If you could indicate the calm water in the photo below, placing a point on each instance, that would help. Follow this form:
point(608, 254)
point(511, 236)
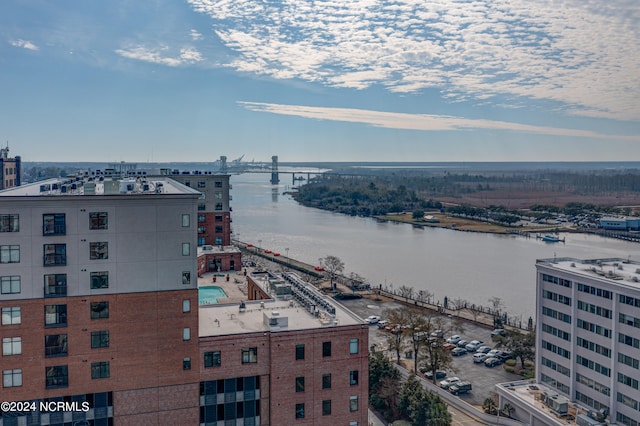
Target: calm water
point(209, 295)
point(456, 264)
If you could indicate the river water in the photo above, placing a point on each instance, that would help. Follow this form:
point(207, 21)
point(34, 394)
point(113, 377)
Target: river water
point(469, 266)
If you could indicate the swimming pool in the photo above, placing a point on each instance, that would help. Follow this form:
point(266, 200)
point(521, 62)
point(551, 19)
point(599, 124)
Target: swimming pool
point(209, 295)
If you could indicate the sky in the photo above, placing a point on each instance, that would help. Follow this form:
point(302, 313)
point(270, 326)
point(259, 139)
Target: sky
point(320, 80)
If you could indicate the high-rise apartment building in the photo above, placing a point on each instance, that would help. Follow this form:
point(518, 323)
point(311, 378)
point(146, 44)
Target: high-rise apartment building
point(588, 334)
point(99, 303)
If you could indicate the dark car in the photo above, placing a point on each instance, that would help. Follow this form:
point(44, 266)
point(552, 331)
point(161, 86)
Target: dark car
point(440, 374)
point(492, 362)
point(458, 351)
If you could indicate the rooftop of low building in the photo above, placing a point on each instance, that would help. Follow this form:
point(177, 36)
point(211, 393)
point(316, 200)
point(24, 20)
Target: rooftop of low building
point(301, 307)
point(617, 270)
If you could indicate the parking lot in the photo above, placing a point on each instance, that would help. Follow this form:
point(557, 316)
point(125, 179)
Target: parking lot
point(482, 378)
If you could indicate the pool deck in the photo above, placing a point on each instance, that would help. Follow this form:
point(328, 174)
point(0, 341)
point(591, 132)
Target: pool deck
point(235, 288)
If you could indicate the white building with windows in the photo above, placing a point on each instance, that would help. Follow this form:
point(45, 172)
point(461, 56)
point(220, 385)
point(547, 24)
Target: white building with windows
point(588, 334)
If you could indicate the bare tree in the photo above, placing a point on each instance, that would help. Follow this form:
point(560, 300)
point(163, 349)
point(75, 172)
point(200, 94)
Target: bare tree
point(406, 291)
point(396, 319)
point(332, 266)
point(424, 296)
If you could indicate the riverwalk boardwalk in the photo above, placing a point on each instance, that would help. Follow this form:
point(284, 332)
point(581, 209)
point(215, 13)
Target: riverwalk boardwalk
point(480, 315)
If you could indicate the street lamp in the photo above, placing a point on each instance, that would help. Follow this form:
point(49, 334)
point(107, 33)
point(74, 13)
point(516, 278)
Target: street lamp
point(287, 251)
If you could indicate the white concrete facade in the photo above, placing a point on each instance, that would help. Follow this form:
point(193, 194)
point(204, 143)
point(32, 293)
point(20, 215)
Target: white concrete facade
point(588, 334)
point(145, 235)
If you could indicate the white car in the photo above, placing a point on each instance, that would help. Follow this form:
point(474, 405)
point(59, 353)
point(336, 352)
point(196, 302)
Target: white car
point(448, 382)
point(494, 353)
point(454, 339)
point(383, 323)
point(372, 319)
point(479, 357)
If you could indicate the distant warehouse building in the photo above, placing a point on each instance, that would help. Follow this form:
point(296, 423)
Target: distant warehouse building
point(622, 224)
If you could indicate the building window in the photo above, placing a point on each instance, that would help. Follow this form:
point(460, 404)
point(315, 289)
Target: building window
point(186, 333)
point(99, 310)
point(219, 229)
point(186, 220)
point(100, 370)
point(202, 184)
point(54, 224)
point(11, 346)
point(186, 277)
point(326, 381)
point(212, 359)
point(353, 346)
point(99, 280)
point(186, 363)
point(10, 284)
point(186, 305)
point(249, 355)
point(202, 229)
point(201, 218)
point(353, 403)
point(99, 250)
point(326, 407)
point(55, 315)
point(326, 348)
point(98, 220)
point(100, 339)
point(55, 285)
point(201, 207)
point(217, 195)
point(9, 223)
point(57, 376)
point(12, 378)
point(9, 254)
point(186, 249)
point(201, 241)
point(55, 254)
point(11, 316)
point(218, 241)
point(300, 411)
point(218, 218)
point(218, 206)
point(218, 184)
point(353, 377)
point(300, 351)
point(55, 345)
point(300, 384)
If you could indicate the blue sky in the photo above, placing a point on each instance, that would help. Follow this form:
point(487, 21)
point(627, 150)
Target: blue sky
point(323, 80)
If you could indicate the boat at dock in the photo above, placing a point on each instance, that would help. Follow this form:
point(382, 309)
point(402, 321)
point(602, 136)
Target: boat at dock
point(551, 239)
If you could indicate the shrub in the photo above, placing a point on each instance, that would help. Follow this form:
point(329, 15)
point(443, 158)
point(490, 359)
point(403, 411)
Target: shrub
point(528, 364)
point(510, 362)
point(509, 369)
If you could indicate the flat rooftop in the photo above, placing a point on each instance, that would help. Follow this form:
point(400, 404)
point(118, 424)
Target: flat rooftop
point(618, 271)
point(532, 395)
point(281, 313)
point(92, 185)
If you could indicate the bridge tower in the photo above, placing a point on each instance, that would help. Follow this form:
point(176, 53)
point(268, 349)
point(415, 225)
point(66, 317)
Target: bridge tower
point(223, 164)
point(275, 179)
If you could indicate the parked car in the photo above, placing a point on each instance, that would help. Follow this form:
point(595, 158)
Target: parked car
point(505, 356)
point(373, 319)
point(448, 346)
point(492, 362)
point(497, 332)
point(483, 349)
point(479, 357)
point(440, 374)
point(437, 333)
point(494, 353)
point(454, 339)
point(448, 382)
point(458, 351)
point(462, 343)
point(460, 387)
point(382, 323)
point(473, 345)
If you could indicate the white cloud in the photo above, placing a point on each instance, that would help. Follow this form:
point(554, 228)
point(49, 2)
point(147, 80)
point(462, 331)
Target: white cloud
point(25, 44)
point(195, 35)
point(584, 54)
point(185, 56)
point(421, 122)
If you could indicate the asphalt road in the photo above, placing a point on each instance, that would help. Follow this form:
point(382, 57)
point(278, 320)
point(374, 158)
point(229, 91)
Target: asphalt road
point(482, 378)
